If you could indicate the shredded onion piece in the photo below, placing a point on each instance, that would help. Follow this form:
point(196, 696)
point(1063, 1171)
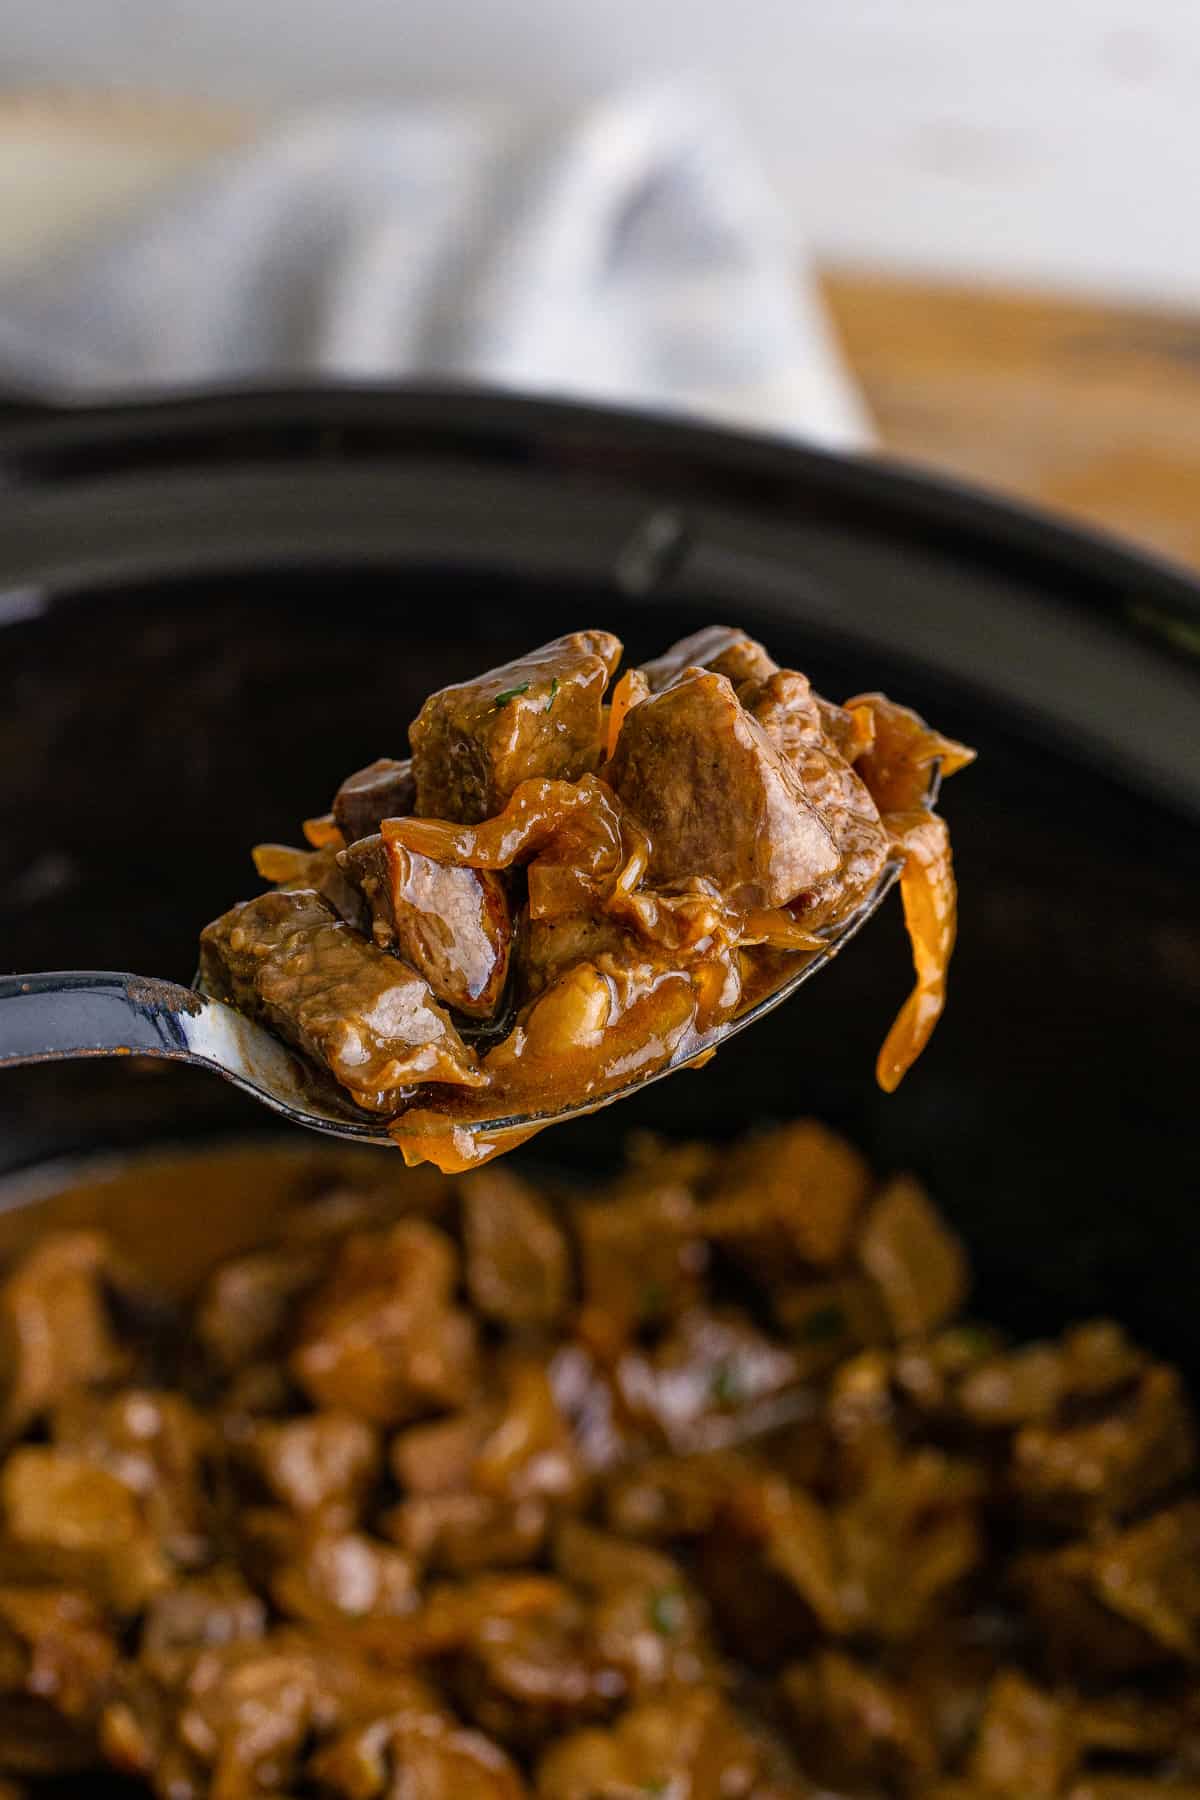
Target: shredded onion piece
point(930, 915)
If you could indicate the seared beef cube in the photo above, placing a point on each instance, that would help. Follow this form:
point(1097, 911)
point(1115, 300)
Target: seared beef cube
point(419, 1753)
point(241, 1722)
point(642, 1257)
point(1027, 1740)
point(716, 796)
point(721, 648)
point(318, 1571)
point(66, 1519)
point(788, 1199)
point(797, 722)
point(1078, 1473)
point(332, 1575)
point(917, 1263)
point(294, 871)
point(244, 1310)
point(193, 1616)
point(768, 1566)
point(452, 925)
point(518, 1260)
point(385, 789)
point(854, 1727)
point(907, 1541)
point(459, 1534)
point(56, 1660)
point(525, 1680)
point(688, 1743)
point(550, 947)
point(56, 1335)
point(663, 1498)
point(381, 1338)
point(1150, 1575)
point(367, 1018)
point(160, 1447)
point(324, 1463)
point(712, 1380)
point(537, 717)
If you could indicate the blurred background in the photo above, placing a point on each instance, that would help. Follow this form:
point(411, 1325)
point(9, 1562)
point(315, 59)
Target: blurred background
point(986, 210)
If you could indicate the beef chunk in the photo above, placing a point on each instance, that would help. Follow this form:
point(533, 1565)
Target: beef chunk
point(713, 1379)
point(1079, 1473)
point(65, 1519)
point(551, 947)
point(663, 1498)
point(798, 724)
point(367, 1018)
point(538, 717)
point(517, 1259)
point(721, 648)
point(460, 1534)
point(416, 1753)
point(241, 1721)
point(691, 1743)
point(439, 1457)
point(1078, 1377)
point(717, 798)
point(452, 925)
point(1150, 1575)
point(56, 1661)
point(641, 1252)
point(295, 871)
point(481, 1487)
point(788, 1199)
point(854, 1727)
point(1079, 1634)
point(380, 1338)
point(244, 1310)
point(319, 1573)
point(160, 1447)
point(525, 1679)
point(648, 1619)
point(769, 1565)
point(907, 1541)
point(917, 1263)
point(194, 1616)
point(56, 1333)
point(385, 789)
point(1027, 1742)
point(324, 1463)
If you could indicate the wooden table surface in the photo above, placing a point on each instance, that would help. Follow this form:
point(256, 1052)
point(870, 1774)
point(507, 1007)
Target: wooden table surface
point(1091, 409)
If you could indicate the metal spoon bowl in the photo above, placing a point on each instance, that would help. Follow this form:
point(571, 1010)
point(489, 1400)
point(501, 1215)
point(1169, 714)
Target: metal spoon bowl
point(59, 1015)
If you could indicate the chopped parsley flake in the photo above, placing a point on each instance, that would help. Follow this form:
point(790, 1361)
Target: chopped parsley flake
point(727, 1385)
point(972, 1340)
point(822, 1324)
point(668, 1611)
point(553, 691)
point(509, 694)
point(653, 1299)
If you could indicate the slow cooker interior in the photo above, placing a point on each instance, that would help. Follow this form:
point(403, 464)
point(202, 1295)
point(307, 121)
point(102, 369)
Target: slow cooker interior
point(152, 734)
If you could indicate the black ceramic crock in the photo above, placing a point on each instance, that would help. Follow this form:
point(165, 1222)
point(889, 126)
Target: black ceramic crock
point(211, 608)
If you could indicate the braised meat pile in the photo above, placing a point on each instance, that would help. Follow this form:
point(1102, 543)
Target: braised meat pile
point(698, 1485)
point(561, 892)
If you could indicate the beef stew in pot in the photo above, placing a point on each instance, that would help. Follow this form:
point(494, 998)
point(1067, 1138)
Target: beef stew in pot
point(700, 1483)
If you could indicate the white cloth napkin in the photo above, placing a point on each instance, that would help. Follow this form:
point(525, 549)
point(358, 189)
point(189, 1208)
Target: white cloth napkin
point(628, 253)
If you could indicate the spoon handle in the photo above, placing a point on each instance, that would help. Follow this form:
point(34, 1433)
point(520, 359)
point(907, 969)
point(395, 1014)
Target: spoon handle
point(92, 1012)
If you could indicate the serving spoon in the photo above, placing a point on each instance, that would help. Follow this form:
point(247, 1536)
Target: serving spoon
point(60, 1015)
